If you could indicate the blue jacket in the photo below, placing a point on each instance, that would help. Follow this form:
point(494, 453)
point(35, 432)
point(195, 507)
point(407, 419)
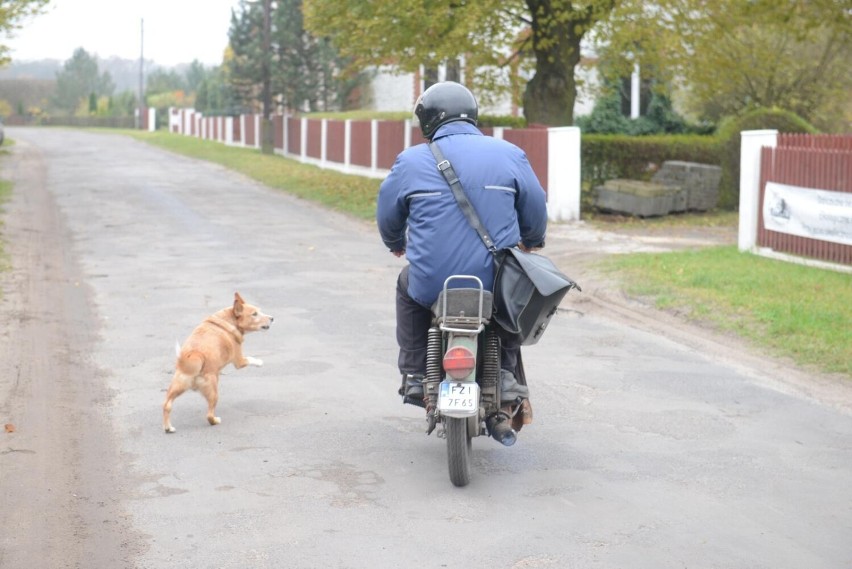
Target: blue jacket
point(417, 211)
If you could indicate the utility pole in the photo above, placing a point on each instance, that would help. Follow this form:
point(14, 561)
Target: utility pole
point(266, 120)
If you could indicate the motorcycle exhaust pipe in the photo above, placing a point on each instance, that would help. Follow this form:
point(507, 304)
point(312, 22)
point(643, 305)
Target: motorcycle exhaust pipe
point(501, 429)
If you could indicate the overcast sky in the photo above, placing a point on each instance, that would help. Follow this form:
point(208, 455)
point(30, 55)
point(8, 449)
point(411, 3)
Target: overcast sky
point(175, 31)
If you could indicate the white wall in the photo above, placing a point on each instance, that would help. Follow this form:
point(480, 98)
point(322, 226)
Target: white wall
point(752, 141)
point(392, 92)
point(588, 82)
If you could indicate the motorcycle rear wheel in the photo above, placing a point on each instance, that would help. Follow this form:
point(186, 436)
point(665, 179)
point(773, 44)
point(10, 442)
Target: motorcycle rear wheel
point(458, 450)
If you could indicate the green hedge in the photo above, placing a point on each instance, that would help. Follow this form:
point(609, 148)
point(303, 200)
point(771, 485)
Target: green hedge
point(637, 157)
point(608, 156)
point(501, 120)
point(729, 138)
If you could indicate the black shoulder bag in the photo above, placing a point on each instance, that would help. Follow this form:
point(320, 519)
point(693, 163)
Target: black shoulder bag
point(527, 287)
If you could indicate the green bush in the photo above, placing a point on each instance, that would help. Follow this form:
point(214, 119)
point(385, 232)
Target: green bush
point(606, 117)
point(729, 138)
point(501, 120)
point(660, 118)
point(483, 121)
point(608, 156)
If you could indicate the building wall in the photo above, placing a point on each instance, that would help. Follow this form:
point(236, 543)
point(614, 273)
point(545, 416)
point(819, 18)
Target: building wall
point(588, 82)
point(394, 92)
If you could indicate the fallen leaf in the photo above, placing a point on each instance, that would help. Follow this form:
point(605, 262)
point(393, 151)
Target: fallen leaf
point(10, 428)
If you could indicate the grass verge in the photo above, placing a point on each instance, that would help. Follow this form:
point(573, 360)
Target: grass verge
point(800, 312)
point(794, 311)
point(5, 193)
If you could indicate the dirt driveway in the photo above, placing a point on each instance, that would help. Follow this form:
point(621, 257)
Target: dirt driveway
point(659, 443)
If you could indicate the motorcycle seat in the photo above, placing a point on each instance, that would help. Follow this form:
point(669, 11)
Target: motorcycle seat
point(464, 303)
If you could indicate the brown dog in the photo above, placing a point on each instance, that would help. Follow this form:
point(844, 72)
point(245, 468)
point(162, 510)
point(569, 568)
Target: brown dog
point(215, 343)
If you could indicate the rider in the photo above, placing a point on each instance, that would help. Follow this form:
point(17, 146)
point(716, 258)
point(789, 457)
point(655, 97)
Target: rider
point(419, 217)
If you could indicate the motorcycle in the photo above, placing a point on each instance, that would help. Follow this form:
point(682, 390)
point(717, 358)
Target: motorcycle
point(462, 383)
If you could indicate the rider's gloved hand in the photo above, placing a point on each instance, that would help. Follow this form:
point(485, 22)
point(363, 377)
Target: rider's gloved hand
point(526, 249)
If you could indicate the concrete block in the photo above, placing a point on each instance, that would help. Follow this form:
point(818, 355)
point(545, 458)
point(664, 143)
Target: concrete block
point(642, 199)
point(699, 181)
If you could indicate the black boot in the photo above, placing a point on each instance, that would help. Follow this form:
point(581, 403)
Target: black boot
point(412, 389)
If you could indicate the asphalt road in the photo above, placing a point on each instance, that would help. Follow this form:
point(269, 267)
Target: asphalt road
point(647, 450)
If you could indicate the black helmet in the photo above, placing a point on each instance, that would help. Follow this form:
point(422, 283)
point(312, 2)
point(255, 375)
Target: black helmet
point(442, 103)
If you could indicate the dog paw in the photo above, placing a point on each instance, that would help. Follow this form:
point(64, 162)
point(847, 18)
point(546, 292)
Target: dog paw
point(170, 430)
point(214, 420)
point(254, 361)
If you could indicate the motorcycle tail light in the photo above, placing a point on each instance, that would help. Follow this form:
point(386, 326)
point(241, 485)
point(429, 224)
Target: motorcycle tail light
point(459, 362)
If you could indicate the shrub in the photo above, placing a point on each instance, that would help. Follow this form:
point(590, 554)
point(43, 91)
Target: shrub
point(729, 138)
point(486, 121)
point(608, 156)
point(606, 117)
point(660, 118)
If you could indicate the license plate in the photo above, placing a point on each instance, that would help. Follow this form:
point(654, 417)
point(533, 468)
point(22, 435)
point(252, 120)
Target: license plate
point(458, 397)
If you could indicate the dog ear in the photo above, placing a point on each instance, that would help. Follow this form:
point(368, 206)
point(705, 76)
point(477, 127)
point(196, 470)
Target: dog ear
point(238, 304)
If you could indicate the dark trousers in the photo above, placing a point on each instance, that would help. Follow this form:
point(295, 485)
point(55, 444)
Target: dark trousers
point(412, 331)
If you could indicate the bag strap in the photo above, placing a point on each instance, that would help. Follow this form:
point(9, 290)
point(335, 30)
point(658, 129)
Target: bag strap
point(467, 208)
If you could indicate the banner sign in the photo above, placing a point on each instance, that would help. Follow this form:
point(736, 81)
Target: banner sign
point(807, 212)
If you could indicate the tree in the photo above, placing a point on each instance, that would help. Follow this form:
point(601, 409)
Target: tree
point(164, 81)
point(307, 68)
point(123, 104)
point(608, 117)
point(732, 56)
point(78, 80)
point(304, 70)
point(245, 57)
point(195, 75)
point(558, 28)
point(408, 33)
point(301, 60)
point(491, 35)
point(214, 94)
point(12, 15)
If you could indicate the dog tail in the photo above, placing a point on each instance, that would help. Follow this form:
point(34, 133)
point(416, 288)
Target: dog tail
point(190, 363)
